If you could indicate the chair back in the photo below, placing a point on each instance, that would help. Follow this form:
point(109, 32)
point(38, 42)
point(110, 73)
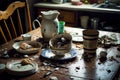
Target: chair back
point(14, 21)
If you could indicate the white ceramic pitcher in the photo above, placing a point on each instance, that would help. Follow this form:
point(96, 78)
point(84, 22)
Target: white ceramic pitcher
point(49, 23)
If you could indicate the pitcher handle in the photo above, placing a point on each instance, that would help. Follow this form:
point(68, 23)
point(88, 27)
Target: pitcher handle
point(37, 21)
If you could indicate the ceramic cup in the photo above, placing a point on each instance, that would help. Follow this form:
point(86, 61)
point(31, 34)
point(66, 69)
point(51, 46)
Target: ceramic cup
point(26, 37)
point(90, 38)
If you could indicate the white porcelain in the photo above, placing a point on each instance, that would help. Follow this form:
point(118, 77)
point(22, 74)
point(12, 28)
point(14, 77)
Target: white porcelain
point(49, 24)
point(26, 37)
point(23, 70)
point(47, 53)
point(36, 45)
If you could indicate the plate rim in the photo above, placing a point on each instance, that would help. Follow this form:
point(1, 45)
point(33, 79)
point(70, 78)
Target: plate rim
point(20, 73)
point(43, 55)
point(28, 52)
point(73, 38)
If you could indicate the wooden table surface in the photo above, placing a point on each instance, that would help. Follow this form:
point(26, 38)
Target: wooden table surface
point(73, 69)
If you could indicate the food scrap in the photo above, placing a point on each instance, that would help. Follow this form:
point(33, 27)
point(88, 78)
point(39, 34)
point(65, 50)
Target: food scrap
point(26, 61)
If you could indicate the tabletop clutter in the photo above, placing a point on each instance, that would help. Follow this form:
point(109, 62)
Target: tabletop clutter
point(59, 45)
point(52, 32)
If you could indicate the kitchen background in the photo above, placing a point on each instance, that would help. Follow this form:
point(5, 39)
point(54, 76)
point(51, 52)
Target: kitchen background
point(107, 21)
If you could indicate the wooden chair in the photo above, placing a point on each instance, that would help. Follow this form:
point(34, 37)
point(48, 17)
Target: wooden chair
point(14, 21)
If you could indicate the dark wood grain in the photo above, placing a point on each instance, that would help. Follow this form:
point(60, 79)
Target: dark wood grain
point(74, 69)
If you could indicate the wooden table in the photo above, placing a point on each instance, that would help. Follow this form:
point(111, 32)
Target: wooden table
point(74, 69)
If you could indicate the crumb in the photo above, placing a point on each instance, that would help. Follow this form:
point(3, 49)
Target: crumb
point(26, 61)
point(25, 46)
point(79, 46)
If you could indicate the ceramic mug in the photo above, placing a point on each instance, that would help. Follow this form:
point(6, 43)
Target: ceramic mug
point(26, 37)
point(90, 38)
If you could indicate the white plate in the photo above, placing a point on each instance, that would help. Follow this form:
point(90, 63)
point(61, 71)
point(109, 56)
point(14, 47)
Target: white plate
point(16, 46)
point(16, 68)
point(77, 38)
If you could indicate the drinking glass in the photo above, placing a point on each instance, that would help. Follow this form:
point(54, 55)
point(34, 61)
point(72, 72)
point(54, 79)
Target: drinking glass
point(61, 27)
point(84, 21)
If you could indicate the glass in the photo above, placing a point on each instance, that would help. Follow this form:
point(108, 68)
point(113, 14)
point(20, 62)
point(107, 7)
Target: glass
point(61, 27)
point(84, 21)
point(94, 22)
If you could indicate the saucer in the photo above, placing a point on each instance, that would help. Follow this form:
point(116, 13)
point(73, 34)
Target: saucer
point(47, 53)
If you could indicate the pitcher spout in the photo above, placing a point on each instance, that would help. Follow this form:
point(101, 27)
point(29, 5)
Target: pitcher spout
point(51, 15)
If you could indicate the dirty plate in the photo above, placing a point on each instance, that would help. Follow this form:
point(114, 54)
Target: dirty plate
point(36, 46)
point(77, 37)
point(47, 53)
point(16, 68)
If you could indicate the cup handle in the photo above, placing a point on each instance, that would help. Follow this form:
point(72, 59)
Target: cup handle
point(36, 21)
